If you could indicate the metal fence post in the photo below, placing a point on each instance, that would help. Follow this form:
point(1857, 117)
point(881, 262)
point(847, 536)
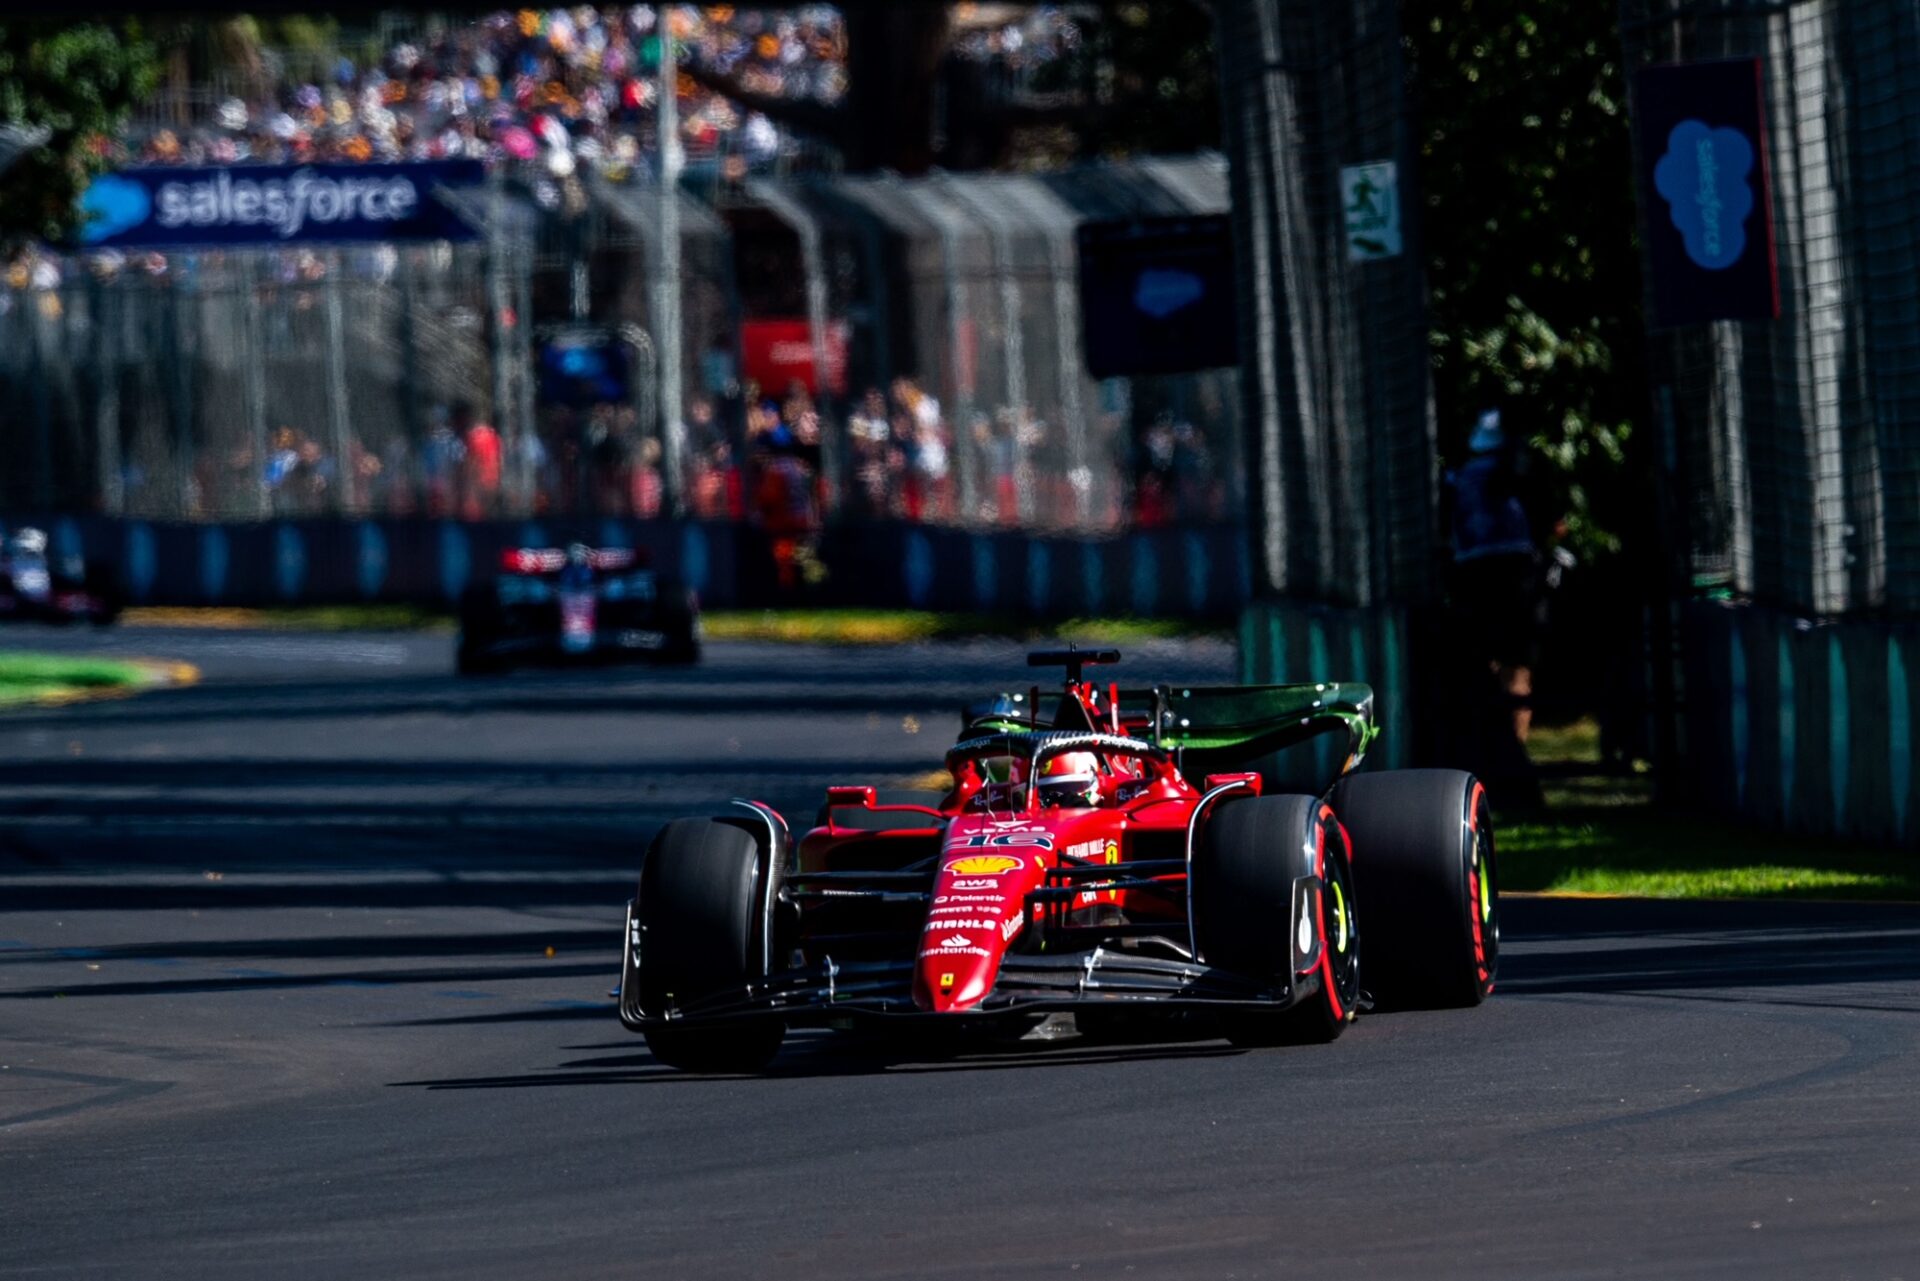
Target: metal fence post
point(338, 429)
point(509, 423)
point(667, 311)
point(255, 366)
point(106, 377)
point(813, 265)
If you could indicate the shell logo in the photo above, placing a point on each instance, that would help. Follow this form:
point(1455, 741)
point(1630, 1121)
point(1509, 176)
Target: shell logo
point(984, 865)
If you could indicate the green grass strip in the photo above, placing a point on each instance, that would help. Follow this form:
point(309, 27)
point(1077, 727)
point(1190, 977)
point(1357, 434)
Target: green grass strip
point(295, 618)
point(798, 626)
point(38, 678)
point(905, 626)
point(1601, 834)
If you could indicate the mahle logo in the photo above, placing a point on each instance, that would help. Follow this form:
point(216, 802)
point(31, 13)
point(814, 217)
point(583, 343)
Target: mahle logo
point(1703, 178)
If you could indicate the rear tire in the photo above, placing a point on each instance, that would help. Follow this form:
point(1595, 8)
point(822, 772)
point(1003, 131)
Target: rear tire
point(469, 660)
point(1423, 864)
point(1249, 855)
point(702, 905)
point(682, 627)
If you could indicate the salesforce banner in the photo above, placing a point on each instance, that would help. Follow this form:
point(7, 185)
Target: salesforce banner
point(274, 205)
point(1704, 192)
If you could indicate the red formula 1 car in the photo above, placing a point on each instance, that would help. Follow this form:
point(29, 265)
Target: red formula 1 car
point(1122, 856)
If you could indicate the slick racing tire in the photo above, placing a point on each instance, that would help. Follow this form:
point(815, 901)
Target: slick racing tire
point(1423, 863)
point(479, 628)
point(681, 626)
point(702, 908)
point(472, 659)
point(1244, 866)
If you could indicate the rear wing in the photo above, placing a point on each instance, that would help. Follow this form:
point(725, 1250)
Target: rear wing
point(1219, 729)
point(551, 560)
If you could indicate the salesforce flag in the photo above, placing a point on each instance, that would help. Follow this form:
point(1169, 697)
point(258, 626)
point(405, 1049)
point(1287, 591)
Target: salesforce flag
point(1707, 212)
point(275, 204)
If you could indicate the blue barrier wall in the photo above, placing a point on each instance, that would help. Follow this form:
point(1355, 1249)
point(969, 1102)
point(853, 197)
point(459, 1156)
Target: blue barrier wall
point(1802, 725)
point(1182, 573)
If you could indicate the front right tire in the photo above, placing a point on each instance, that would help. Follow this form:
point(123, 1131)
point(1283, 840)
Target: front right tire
point(701, 906)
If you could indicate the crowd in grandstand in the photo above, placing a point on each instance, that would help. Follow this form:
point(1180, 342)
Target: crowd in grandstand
point(573, 87)
point(567, 86)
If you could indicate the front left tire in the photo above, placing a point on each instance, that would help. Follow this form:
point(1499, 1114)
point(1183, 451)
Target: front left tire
point(1424, 858)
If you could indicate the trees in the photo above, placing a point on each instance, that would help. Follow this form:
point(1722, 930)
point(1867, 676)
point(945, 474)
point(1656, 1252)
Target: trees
point(78, 81)
point(1527, 176)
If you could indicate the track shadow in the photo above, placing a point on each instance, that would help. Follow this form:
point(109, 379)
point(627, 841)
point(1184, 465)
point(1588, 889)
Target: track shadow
point(334, 947)
point(826, 1056)
point(264, 982)
point(1725, 948)
point(412, 696)
point(373, 772)
point(344, 892)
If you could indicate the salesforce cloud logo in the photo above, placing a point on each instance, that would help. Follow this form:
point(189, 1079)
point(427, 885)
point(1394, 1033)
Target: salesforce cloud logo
point(113, 205)
point(1703, 177)
point(1160, 292)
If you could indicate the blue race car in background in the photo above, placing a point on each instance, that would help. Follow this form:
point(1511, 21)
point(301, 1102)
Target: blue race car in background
point(38, 588)
point(577, 604)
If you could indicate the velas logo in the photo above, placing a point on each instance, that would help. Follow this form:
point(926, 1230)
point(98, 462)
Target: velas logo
point(1703, 178)
point(112, 205)
point(983, 865)
point(1161, 291)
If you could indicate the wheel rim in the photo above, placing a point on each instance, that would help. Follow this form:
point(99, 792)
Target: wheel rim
point(1483, 891)
point(1342, 930)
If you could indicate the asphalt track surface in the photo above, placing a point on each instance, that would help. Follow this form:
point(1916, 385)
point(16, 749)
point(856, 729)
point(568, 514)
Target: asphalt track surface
point(304, 972)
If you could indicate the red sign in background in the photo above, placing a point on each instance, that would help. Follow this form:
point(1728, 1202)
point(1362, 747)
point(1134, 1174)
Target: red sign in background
point(775, 352)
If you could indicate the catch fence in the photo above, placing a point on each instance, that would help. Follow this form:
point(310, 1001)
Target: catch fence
point(967, 288)
point(1334, 342)
point(1796, 441)
point(933, 325)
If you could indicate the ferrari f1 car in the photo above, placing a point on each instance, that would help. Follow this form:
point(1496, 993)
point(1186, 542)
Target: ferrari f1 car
point(1119, 855)
point(36, 587)
point(575, 604)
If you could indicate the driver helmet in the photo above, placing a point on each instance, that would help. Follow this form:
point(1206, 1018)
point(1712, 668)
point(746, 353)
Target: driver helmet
point(578, 554)
point(29, 542)
point(1071, 779)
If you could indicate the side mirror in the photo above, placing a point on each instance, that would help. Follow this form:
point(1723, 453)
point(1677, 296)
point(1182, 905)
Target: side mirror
point(860, 796)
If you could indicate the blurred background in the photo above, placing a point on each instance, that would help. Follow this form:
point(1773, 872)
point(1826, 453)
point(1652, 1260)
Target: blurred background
point(1244, 312)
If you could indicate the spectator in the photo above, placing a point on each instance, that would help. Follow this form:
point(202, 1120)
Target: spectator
point(480, 464)
point(648, 489)
point(1496, 583)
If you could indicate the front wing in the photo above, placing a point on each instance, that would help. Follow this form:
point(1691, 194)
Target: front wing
point(826, 992)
